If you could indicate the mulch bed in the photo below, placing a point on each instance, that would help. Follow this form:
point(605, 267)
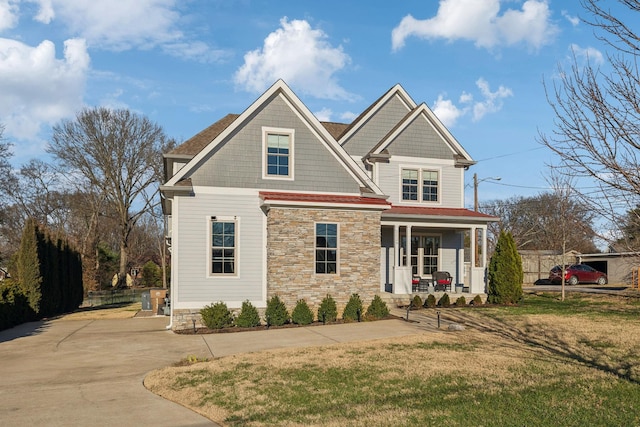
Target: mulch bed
point(233, 329)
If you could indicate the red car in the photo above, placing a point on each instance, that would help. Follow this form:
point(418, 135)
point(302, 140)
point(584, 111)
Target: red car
point(577, 273)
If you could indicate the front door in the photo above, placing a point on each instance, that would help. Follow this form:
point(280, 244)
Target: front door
point(424, 253)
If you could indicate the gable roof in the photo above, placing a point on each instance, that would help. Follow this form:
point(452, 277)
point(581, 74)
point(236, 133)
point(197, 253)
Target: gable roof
point(216, 134)
point(461, 156)
point(396, 90)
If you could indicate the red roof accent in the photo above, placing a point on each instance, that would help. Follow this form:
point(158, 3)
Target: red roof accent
point(450, 212)
point(321, 198)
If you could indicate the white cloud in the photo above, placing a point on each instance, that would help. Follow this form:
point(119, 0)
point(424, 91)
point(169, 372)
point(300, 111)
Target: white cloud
point(587, 54)
point(324, 115)
point(447, 111)
point(492, 100)
point(480, 21)
point(348, 116)
point(299, 55)
point(574, 20)
point(8, 14)
point(37, 88)
point(139, 24)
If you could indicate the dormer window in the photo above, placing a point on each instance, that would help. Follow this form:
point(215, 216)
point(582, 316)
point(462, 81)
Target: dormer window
point(277, 153)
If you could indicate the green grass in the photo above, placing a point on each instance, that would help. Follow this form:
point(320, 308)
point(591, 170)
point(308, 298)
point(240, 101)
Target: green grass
point(558, 377)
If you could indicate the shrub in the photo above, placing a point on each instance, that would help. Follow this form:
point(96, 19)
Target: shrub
point(276, 313)
point(248, 317)
point(430, 302)
point(151, 274)
point(378, 309)
point(353, 310)
point(461, 301)
point(14, 305)
point(327, 312)
point(416, 302)
point(505, 273)
point(444, 301)
point(302, 314)
point(477, 300)
point(216, 316)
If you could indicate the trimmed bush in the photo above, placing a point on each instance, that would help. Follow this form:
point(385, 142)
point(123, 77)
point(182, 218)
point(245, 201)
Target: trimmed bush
point(505, 272)
point(430, 302)
point(416, 302)
point(327, 312)
point(378, 309)
point(216, 316)
point(477, 300)
point(14, 305)
point(276, 313)
point(248, 317)
point(302, 314)
point(444, 301)
point(461, 301)
point(353, 310)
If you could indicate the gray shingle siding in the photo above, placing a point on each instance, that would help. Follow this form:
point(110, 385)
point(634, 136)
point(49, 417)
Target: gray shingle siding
point(238, 161)
point(419, 139)
point(376, 127)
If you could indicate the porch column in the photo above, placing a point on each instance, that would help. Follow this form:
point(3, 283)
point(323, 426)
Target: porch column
point(408, 253)
point(474, 255)
point(396, 246)
point(484, 247)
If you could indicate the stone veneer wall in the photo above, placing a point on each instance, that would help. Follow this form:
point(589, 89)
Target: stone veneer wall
point(291, 256)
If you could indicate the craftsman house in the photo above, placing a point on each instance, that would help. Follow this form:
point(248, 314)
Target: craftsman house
point(273, 201)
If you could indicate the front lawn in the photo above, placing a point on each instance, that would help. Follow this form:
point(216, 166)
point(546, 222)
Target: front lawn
point(543, 363)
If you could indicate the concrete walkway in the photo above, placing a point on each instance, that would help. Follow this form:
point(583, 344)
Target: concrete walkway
point(90, 372)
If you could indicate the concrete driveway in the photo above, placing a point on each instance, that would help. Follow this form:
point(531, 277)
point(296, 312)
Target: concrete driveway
point(90, 372)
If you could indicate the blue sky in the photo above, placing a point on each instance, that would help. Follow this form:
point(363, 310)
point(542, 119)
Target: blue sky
point(479, 64)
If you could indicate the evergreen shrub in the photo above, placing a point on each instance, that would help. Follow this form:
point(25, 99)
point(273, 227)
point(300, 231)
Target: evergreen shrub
point(416, 302)
point(248, 317)
point(216, 316)
point(378, 309)
point(477, 300)
point(505, 273)
point(430, 302)
point(353, 310)
point(276, 313)
point(461, 301)
point(445, 301)
point(328, 311)
point(302, 314)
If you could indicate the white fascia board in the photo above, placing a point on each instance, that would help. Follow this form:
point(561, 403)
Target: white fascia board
point(232, 127)
point(398, 91)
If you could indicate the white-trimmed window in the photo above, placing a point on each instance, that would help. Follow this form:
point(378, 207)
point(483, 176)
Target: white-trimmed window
point(327, 248)
point(420, 185)
point(224, 247)
point(277, 153)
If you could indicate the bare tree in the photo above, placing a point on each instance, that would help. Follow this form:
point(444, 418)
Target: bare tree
point(597, 113)
point(539, 222)
point(119, 154)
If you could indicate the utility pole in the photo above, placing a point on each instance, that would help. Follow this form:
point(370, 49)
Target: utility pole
point(475, 192)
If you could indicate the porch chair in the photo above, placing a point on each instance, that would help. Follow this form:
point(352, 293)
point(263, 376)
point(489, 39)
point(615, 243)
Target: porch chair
point(442, 280)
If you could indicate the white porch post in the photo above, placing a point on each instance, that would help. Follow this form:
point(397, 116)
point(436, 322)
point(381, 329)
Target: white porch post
point(408, 253)
point(396, 246)
point(484, 248)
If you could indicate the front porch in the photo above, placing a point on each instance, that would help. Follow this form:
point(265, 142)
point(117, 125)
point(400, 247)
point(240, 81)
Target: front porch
point(418, 242)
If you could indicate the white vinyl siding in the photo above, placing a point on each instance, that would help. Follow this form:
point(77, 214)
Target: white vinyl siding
point(192, 246)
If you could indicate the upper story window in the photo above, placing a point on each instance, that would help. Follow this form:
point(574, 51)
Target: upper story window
point(409, 184)
point(277, 153)
point(425, 180)
point(223, 247)
point(326, 248)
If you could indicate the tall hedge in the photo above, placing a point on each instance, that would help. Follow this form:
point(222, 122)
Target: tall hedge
point(505, 273)
point(49, 272)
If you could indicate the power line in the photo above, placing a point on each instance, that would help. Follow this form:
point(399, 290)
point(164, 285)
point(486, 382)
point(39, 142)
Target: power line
point(509, 154)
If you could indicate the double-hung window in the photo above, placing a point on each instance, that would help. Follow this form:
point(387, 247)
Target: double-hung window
point(326, 248)
point(419, 185)
point(278, 153)
point(224, 246)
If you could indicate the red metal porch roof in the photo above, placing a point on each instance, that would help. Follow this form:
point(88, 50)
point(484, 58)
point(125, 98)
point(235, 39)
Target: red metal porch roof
point(321, 198)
